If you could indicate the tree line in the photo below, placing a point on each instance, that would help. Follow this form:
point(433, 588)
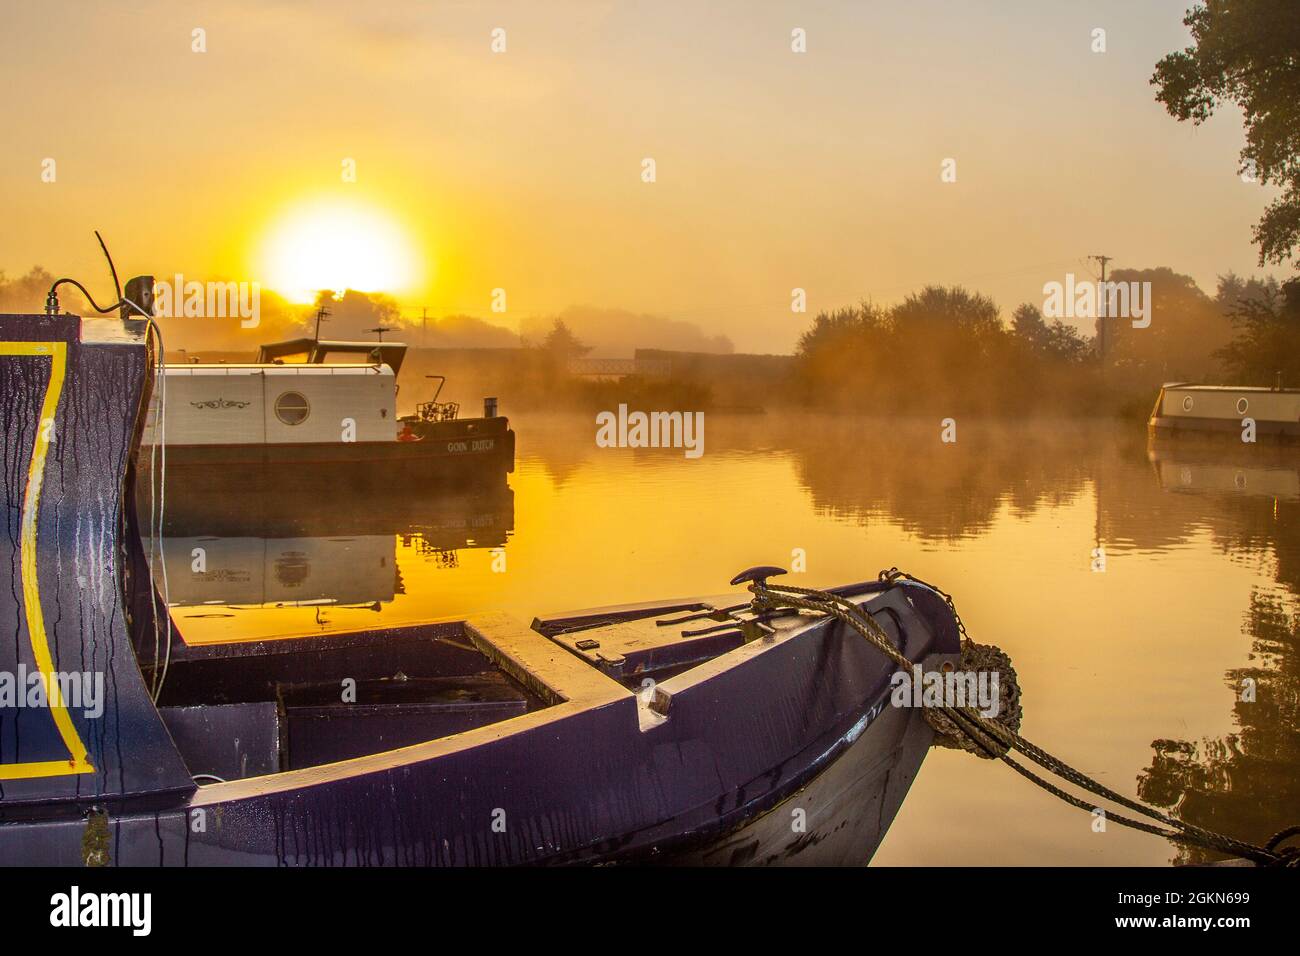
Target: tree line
point(946, 348)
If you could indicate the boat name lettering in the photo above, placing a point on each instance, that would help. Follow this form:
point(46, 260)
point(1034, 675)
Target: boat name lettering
point(478, 444)
point(221, 403)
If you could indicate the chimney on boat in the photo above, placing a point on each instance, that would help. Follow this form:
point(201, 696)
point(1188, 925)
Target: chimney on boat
point(137, 302)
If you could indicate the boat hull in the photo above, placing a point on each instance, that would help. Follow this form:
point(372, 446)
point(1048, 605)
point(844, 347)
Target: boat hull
point(1187, 428)
point(750, 738)
point(840, 817)
point(469, 451)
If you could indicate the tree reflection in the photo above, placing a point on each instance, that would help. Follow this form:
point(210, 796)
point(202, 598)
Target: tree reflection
point(1246, 784)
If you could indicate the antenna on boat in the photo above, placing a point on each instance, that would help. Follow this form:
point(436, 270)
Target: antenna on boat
point(117, 286)
point(137, 300)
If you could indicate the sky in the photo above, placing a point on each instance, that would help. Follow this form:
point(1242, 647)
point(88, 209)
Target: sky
point(522, 170)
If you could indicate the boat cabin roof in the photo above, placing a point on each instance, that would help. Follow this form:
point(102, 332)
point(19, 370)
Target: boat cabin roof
point(1234, 389)
point(291, 368)
point(317, 351)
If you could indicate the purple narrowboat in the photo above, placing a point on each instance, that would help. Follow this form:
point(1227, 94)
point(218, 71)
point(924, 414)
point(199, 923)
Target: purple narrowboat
point(702, 731)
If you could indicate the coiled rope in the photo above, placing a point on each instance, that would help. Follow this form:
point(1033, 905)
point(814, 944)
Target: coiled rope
point(997, 740)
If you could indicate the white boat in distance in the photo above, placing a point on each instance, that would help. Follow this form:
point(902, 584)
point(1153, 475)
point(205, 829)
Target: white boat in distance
point(309, 407)
point(1184, 409)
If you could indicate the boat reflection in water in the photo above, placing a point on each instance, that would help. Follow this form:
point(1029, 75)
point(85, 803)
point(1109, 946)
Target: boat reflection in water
point(281, 564)
point(205, 570)
point(1256, 472)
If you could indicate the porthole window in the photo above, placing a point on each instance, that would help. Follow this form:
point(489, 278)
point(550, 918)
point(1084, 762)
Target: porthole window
point(292, 408)
point(1187, 403)
point(1242, 406)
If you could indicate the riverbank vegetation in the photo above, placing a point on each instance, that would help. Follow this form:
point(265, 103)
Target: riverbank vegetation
point(946, 349)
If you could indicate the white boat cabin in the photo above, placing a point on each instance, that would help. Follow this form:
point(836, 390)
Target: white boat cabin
point(291, 395)
point(1224, 402)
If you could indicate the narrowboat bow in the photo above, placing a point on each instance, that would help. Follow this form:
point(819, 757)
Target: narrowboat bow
point(692, 731)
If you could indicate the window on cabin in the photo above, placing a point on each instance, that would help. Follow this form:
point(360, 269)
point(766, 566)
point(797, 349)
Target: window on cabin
point(292, 408)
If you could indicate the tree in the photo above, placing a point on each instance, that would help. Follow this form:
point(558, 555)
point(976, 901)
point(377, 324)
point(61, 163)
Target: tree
point(845, 357)
point(1247, 52)
point(949, 311)
point(1233, 290)
point(562, 343)
point(354, 313)
point(1267, 320)
point(1186, 326)
point(1056, 341)
point(843, 328)
point(27, 294)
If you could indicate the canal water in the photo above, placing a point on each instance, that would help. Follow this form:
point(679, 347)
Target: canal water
point(1148, 598)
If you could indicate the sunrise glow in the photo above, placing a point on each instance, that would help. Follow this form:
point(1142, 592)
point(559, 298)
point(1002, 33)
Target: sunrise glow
point(336, 246)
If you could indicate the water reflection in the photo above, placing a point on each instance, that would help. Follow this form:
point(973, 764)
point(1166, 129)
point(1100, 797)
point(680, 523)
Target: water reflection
point(203, 570)
point(1133, 674)
point(1264, 473)
point(280, 564)
point(1248, 781)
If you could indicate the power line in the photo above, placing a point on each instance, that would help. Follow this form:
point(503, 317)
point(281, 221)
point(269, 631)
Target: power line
point(1101, 321)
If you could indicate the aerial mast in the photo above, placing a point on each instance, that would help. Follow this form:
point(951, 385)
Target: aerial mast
point(1101, 320)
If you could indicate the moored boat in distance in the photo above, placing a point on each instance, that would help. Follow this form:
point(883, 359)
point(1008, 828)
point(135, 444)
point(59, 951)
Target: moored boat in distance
point(310, 409)
point(1185, 410)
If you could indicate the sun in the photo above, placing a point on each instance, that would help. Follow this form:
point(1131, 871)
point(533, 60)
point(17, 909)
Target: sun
point(337, 245)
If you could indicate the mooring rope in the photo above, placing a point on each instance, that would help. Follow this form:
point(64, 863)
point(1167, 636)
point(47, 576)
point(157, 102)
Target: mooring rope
point(158, 448)
point(997, 740)
point(162, 638)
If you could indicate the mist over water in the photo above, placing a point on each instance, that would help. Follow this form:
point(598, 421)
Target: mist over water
point(1200, 589)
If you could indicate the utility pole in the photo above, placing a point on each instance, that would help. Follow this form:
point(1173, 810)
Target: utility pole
point(424, 328)
point(321, 313)
point(1101, 320)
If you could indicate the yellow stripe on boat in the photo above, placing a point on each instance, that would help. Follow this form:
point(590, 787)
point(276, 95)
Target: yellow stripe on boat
point(78, 761)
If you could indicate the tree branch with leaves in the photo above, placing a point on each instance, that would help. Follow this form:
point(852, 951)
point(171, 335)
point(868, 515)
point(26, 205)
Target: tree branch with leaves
point(1247, 52)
